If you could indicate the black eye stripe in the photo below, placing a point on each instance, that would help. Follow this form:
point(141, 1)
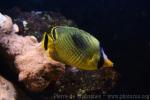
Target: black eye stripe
point(101, 60)
point(46, 41)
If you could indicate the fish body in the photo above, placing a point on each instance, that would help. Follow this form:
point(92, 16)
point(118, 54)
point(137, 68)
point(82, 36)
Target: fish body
point(73, 46)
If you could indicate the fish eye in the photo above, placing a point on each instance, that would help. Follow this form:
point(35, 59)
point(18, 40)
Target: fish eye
point(46, 41)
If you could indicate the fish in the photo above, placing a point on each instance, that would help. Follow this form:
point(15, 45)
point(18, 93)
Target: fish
point(75, 47)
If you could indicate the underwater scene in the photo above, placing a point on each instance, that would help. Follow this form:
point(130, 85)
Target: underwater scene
point(74, 50)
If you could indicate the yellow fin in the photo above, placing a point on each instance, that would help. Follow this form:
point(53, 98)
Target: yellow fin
point(108, 63)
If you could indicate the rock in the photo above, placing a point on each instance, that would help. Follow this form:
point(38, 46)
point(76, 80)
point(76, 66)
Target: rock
point(82, 82)
point(37, 22)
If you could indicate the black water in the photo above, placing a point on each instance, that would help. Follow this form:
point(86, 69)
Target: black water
point(123, 26)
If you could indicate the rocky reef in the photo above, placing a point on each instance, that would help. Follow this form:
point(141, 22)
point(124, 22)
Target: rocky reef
point(36, 75)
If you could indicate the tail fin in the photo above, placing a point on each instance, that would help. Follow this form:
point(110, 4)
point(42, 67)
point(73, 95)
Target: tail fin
point(107, 62)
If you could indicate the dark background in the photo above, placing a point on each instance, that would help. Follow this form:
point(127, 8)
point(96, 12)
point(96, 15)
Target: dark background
point(123, 27)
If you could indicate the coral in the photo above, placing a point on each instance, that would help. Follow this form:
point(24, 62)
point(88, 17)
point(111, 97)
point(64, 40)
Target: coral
point(7, 90)
point(34, 68)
